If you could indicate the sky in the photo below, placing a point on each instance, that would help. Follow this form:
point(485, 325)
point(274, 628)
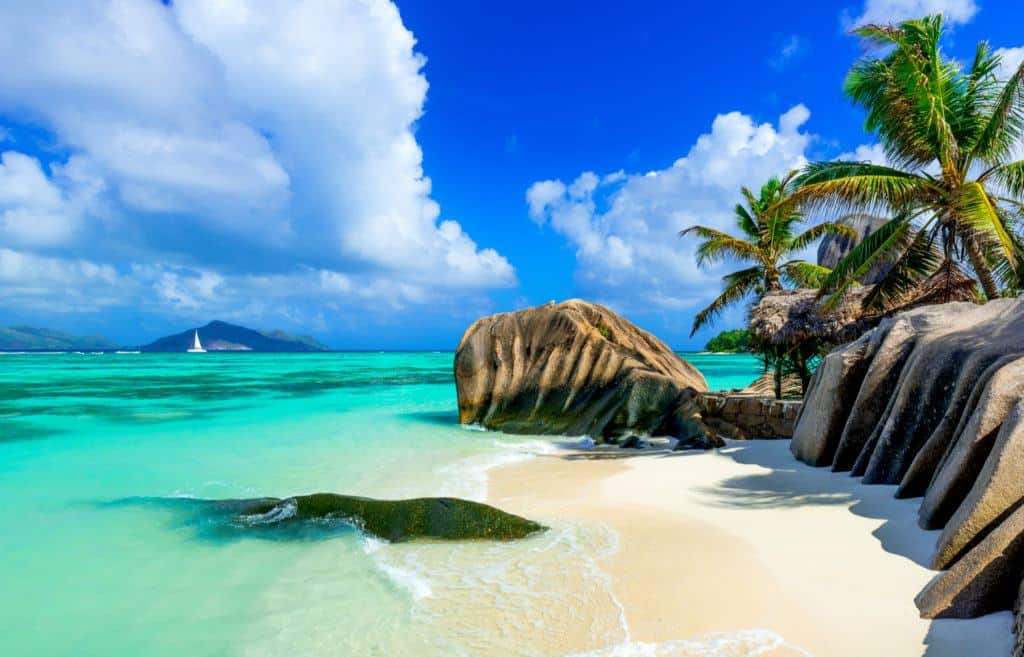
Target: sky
point(380, 174)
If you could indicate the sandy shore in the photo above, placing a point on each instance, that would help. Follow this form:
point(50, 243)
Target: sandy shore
point(746, 538)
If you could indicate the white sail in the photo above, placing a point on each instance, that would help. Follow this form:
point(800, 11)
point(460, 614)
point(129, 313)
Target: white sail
point(197, 346)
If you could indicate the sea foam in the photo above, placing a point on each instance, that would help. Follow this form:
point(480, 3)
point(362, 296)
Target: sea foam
point(742, 643)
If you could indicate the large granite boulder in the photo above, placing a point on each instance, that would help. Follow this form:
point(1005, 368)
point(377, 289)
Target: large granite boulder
point(933, 400)
point(834, 248)
point(575, 368)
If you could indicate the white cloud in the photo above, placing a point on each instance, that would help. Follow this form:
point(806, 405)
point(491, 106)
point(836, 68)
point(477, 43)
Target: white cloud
point(873, 153)
point(893, 11)
point(201, 132)
point(33, 210)
point(35, 283)
point(624, 226)
point(1011, 61)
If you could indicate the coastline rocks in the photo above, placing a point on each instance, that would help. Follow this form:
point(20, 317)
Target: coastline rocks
point(933, 400)
point(437, 518)
point(575, 368)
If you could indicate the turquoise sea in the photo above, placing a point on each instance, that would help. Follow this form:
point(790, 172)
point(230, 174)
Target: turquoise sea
point(103, 554)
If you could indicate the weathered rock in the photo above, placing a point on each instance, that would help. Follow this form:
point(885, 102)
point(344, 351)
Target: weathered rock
point(827, 405)
point(887, 348)
point(984, 580)
point(998, 490)
point(975, 435)
point(933, 400)
point(833, 248)
point(573, 368)
point(897, 382)
point(1018, 623)
point(975, 378)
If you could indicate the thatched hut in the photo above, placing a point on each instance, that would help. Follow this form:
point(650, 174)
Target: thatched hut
point(792, 322)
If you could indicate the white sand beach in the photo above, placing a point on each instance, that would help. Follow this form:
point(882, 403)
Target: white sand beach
point(747, 538)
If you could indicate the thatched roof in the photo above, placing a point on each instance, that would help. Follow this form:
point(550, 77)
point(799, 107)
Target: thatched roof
point(789, 317)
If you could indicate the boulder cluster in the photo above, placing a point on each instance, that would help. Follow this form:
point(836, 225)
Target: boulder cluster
point(932, 400)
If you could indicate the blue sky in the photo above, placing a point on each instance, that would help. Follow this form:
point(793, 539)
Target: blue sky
point(381, 175)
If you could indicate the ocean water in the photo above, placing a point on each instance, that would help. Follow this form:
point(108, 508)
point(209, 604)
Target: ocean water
point(103, 551)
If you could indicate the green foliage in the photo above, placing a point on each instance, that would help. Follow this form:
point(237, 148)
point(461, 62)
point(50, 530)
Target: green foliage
point(735, 341)
point(605, 332)
point(768, 224)
point(949, 135)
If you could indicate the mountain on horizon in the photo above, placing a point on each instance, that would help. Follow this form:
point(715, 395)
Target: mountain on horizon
point(221, 336)
point(32, 338)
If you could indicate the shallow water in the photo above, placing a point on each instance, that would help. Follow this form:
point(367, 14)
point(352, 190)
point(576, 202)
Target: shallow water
point(85, 572)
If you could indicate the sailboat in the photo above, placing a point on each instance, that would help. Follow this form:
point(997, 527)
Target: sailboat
point(197, 346)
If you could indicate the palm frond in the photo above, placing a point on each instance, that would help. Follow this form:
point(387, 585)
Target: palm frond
point(738, 285)
point(887, 241)
point(1005, 121)
point(981, 216)
point(814, 233)
point(919, 261)
point(1009, 176)
point(718, 246)
point(836, 186)
point(801, 273)
point(745, 221)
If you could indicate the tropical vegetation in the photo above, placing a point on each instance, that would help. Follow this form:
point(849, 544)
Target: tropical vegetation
point(954, 181)
point(736, 341)
point(768, 227)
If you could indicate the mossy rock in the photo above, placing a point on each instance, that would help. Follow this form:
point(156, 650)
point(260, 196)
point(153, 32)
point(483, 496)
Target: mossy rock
point(444, 518)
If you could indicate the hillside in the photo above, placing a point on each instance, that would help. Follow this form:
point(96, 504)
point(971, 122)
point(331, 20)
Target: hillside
point(29, 338)
point(221, 336)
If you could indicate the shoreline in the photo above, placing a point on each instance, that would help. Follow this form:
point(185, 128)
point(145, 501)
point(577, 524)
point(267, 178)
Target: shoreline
point(743, 540)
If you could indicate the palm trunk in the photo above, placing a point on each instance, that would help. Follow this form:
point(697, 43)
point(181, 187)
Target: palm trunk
point(981, 268)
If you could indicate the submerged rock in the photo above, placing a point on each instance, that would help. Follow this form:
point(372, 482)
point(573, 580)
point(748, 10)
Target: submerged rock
point(439, 518)
point(448, 518)
point(575, 368)
point(933, 400)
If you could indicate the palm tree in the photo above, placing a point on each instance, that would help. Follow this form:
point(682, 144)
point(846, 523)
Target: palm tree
point(952, 187)
point(768, 224)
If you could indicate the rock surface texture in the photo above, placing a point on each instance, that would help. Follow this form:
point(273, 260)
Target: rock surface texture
point(576, 368)
point(933, 400)
point(833, 248)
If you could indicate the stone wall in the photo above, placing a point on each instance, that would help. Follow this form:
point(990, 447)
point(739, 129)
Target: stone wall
point(743, 417)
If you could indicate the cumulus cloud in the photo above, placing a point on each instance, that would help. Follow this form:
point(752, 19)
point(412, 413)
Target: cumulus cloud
point(890, 11)
point(624, 225)
point(247, 137)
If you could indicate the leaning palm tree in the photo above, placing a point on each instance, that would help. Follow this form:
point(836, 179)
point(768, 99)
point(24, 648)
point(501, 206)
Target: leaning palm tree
point(952, 186)
point(768, 226)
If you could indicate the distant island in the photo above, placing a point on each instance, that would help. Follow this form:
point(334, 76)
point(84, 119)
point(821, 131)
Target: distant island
point(221, 336)
point(736, 341)
point(31, 338)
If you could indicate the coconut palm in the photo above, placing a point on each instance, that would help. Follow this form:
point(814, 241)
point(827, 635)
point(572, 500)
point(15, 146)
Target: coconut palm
point(952, 185)
point(768, 226)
